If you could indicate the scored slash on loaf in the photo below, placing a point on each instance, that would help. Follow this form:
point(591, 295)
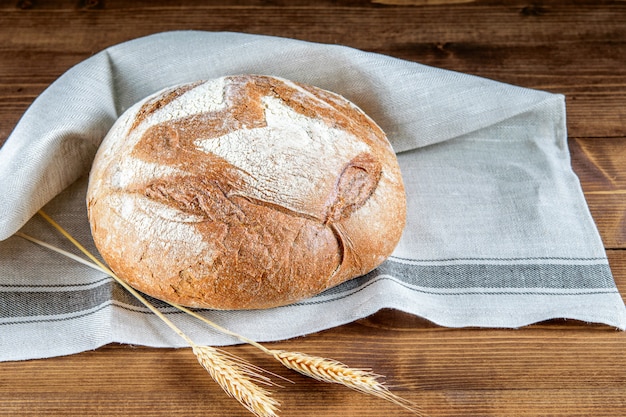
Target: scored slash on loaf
point(244, 192)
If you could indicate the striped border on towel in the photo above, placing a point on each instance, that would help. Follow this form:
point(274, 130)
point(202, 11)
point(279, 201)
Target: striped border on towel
point(556, 276)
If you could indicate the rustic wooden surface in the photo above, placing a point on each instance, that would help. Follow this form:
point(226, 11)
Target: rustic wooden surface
point(557, 368)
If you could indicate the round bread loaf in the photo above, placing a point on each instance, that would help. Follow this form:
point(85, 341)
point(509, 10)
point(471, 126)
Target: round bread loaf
point(244, 192)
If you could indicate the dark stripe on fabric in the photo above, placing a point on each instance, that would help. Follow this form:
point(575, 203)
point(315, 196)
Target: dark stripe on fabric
point(487, 260)
point(336, 296)
point(458, 276)
point(54, 303)
point(467, 279)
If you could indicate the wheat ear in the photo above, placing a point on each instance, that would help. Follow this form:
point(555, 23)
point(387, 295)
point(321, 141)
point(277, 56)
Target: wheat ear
point(235, 377)
point(321, 369)
point(238, 380)
point(332, 371)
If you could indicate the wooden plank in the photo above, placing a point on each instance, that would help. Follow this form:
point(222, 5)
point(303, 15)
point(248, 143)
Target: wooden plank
point(617, 261)
point(599, 163)
point(537, 49)
point(449, 31)
point(87, 5)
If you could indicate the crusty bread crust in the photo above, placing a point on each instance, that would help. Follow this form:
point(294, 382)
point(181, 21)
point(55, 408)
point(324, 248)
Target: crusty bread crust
point(244, 192)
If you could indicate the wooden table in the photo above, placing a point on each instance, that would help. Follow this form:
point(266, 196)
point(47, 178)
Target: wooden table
point(556, 368)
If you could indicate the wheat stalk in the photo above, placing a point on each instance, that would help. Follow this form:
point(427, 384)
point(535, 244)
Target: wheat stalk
point(234, 376)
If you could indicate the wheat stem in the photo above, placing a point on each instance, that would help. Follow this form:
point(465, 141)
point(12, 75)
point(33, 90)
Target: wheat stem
point(108, 271)
point(220, 328)
point(61, 251)
point(236, 378)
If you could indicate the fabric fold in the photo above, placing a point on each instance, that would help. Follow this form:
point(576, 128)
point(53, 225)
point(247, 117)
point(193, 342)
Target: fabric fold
point(74, 113)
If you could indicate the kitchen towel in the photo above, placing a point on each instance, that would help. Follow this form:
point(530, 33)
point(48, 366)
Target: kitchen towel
point(498, 231)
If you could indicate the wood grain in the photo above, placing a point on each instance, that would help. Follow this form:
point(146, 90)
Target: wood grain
point(555, 47)
point(557, 368)
point(599, 163)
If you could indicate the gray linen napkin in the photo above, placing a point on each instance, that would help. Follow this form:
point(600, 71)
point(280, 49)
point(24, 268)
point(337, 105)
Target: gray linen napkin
point(498, 232)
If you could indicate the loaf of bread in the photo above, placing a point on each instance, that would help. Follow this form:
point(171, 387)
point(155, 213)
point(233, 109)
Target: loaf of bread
point(244, 192)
